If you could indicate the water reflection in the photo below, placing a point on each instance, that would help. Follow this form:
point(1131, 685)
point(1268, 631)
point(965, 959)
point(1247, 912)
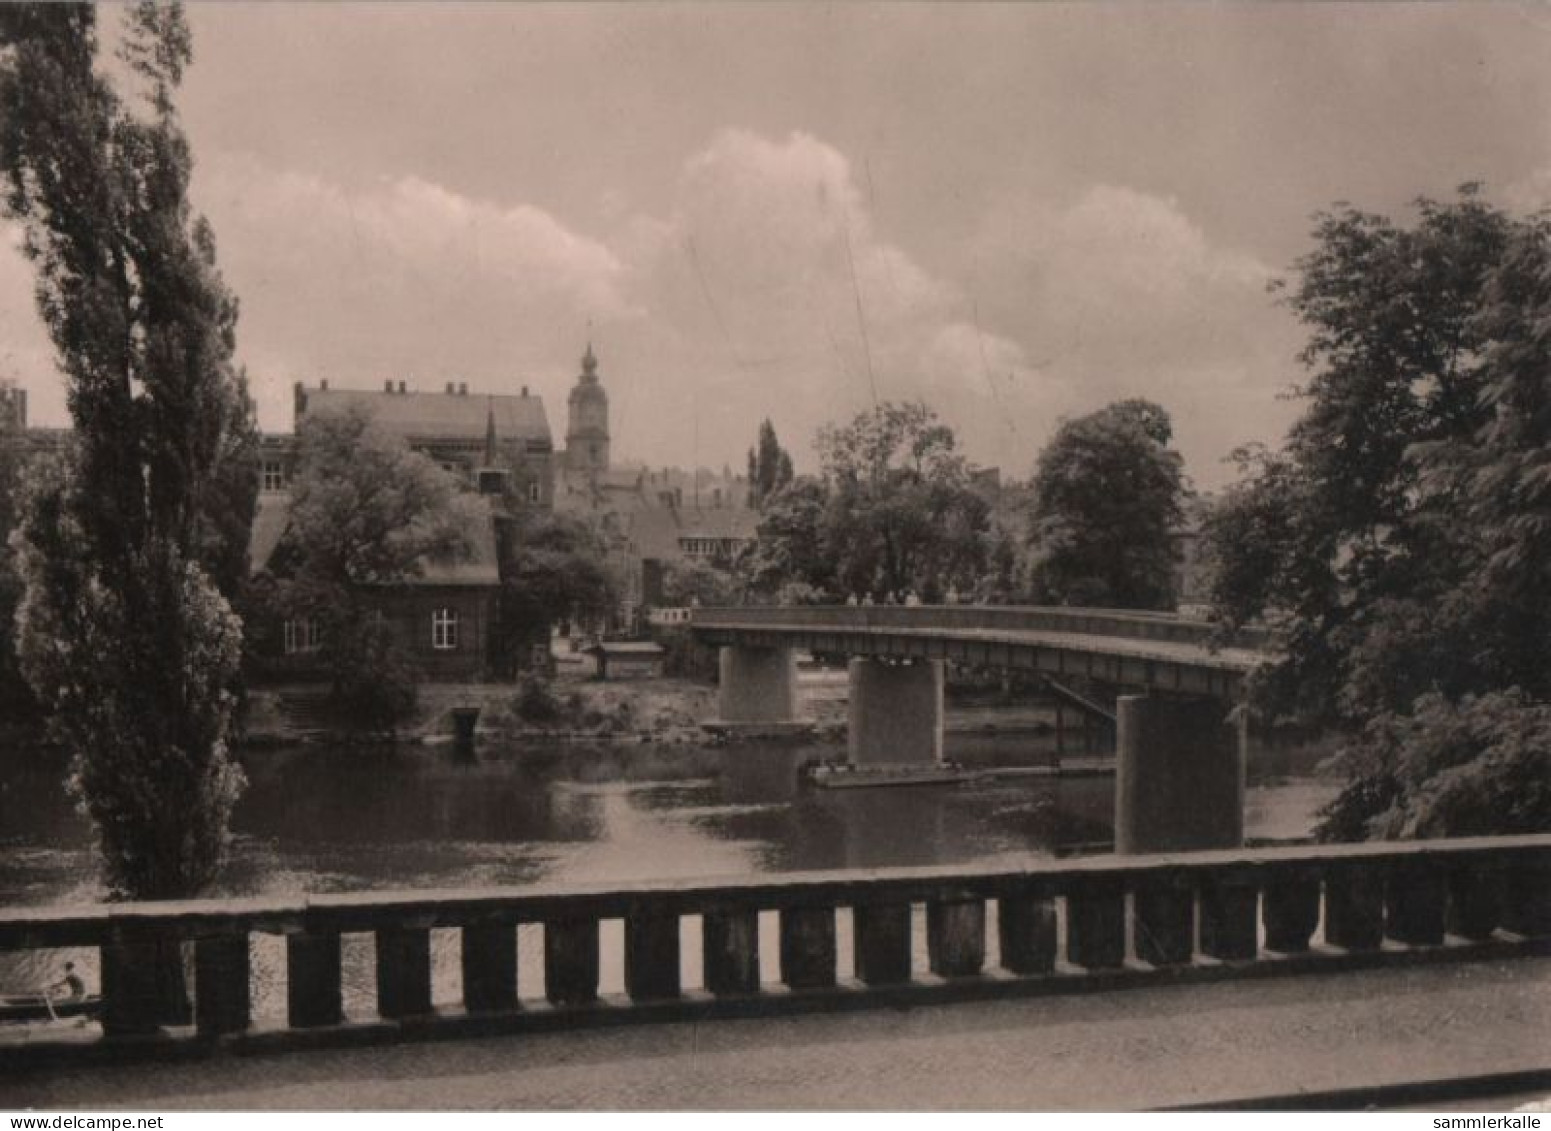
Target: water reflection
point(320, 819)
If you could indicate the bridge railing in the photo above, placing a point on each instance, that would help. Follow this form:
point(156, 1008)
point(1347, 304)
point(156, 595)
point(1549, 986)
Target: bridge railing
point(1127, 624)
point(1052, 925)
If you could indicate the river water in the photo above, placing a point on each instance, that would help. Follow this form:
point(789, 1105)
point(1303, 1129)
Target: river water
point(319, 819)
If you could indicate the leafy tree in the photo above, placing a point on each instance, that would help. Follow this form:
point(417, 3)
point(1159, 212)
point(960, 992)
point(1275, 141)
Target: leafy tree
point(553, 568)
point(1107, 496)
point(692, 582)
point(125, 634)
point(789, 546)
point(366, 513)
point(1397, 545)
point(16, 699)
point(902, 513)
point(770, 466)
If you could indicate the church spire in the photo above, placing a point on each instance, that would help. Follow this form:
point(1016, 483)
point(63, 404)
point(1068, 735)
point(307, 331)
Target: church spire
point(589, 363)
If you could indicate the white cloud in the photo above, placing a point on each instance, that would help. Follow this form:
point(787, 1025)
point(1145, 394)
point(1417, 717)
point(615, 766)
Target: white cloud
point(765, 288)
point(1120, 294)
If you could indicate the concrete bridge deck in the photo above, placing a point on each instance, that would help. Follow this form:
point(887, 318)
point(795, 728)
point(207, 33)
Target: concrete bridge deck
point(1152, 650)
point(1142, 1048)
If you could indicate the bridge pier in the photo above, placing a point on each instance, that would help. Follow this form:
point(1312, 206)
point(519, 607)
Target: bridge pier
point(1179, 774)
point(896, 714)
point(757, 685)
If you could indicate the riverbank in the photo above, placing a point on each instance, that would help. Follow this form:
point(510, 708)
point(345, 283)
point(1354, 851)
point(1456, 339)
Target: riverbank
point(576, 707)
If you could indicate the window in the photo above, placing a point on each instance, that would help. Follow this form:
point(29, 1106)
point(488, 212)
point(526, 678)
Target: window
point(533, 492)
point(274, 475)
point(302, 635)
point(444, 629)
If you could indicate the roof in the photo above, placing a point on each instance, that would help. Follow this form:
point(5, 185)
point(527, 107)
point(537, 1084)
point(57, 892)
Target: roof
point(439, 416)
point(480, 568)
point(628, 648)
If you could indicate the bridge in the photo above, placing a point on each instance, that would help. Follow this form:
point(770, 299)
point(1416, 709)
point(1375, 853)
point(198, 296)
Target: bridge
point(1181, 744)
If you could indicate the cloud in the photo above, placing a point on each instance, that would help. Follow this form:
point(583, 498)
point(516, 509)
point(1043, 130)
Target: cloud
point(787, 302)
point(764, 287)
point(1531, 193)
point(403, 279)
point(1119, 293)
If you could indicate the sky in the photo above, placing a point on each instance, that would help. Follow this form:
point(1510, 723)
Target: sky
point(1017, 213)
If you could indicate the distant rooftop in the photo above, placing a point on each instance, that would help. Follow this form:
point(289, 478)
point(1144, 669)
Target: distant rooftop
point(448, 415)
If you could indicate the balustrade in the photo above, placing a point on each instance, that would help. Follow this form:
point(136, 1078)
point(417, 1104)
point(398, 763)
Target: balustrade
point(1058, 923)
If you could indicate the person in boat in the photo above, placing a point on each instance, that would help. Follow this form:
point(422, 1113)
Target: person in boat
point(68, 988)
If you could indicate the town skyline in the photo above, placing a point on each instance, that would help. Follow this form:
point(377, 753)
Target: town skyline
point(1012, 214)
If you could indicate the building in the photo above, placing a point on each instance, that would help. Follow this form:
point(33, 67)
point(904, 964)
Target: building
point(442, 619)
point(490, 441)
point(587, 423)
point(628, 659)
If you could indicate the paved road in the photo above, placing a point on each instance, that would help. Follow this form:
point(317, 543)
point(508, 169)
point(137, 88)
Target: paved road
point(1119, 1050)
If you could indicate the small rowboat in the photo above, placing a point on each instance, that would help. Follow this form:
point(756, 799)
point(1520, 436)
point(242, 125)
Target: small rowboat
point(39, 1007)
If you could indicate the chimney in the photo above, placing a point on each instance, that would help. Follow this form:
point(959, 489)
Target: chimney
point(387, 386)
point(450, 388)
point(525, 390)
point(323, 385)
point(463, 388)
point(298, 401)
point(403, 388)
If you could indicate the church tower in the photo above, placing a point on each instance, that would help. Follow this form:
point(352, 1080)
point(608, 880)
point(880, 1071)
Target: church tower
point(587, 421)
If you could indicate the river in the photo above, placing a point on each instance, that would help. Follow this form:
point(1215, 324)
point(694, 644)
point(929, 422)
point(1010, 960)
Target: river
point(319, 819)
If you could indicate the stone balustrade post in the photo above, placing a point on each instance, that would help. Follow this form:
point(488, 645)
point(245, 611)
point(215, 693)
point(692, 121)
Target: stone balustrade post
point(808, 947)
point(571, 961)
point(221, 977)
point(1229, 927)
point(652, 954)
point(1475, 900)
point(143, 983)
point(489, 967)
point(313, 992)
point(881, 939)
point(730, 946)
point(1290, 909)
point(403, 972)
point(1096, 923)
point(1026, 931)
point(1527, 898)
point(1415, 902)
point(1164, 920)
point(956, 937)
point(1354, 906)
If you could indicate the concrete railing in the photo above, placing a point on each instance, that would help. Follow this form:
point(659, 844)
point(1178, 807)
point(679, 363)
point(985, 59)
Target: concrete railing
point(1051, 926)
point(1125, 624)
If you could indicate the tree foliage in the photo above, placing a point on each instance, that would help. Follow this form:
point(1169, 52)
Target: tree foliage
point(903, 513)
point(1398, 544)
point(16, 699)
point(694, 583)
point(553, 568)
point(770, 466)
point(125, 633)
point(1107, 493)
point(789, 546)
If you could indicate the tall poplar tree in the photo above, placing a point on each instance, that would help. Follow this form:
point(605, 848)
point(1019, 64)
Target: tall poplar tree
point(125, 633)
